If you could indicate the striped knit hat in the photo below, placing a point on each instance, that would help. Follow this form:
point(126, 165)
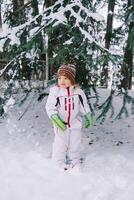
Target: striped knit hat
point(68, 71)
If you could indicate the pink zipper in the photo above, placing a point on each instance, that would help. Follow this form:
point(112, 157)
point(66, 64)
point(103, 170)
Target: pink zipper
point(69, 107)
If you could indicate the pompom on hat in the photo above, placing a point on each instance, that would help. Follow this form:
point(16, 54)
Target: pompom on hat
point(68, 71)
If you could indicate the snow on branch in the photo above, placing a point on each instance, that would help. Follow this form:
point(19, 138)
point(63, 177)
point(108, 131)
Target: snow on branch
point(51, 16)
point(8, 65)
point(54, 15)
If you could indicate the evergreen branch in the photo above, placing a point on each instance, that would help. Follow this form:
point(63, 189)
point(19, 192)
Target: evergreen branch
point(28, 105)
point(25, 97)
point(23, 7)
point(59, 16)
point(126, 99)
point(132, 107)
point(8, 65)
point(106, 106)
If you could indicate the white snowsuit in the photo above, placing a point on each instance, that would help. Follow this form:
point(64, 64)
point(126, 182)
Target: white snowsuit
point(66, 102)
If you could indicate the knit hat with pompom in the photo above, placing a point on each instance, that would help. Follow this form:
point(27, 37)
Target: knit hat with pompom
point(68, 71)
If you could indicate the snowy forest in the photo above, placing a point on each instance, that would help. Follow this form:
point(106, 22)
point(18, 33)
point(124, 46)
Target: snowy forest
point(36, 37)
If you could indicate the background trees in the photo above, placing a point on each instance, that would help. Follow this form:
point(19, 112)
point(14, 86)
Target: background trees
point(41, 33)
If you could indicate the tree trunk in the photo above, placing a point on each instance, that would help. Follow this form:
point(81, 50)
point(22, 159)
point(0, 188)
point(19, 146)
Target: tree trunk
point(35, 8)
point(17, 4)
point(109, 27)
point(48, 3)
point(127, 67)
point(0, 19)
point(48, 52)
point(108, 36)
point(17, 16)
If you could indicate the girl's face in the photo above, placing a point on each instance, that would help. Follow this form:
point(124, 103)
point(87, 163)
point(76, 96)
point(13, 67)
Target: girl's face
point(64, 82)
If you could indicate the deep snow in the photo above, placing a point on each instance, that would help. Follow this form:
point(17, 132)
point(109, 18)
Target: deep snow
point(27, 172)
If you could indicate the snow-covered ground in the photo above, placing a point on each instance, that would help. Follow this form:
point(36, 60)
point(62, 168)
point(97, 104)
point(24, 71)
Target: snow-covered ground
point(26, 170)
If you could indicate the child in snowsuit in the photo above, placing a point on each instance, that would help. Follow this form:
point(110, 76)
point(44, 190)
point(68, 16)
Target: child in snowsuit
point(64, 104)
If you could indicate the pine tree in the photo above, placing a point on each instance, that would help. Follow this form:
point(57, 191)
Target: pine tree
point(75, 35)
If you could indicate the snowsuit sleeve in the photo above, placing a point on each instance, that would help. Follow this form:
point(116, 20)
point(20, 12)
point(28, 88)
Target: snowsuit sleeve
point(51, 101)
point(84, 107)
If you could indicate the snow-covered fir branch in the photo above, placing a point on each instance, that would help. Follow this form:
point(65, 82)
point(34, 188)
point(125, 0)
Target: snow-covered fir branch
point(54, 15)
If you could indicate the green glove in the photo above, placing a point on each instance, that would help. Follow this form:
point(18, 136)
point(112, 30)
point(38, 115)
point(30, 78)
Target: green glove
point(88, 120)
point(58, 122)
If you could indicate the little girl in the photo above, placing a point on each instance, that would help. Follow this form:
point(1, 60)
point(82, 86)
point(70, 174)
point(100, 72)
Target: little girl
point(65, 103)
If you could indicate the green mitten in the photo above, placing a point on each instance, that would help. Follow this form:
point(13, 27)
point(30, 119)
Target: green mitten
point(88, 120)
point(58, 122)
